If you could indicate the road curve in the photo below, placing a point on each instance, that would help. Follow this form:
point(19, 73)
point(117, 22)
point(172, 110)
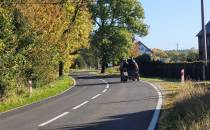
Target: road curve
point(95, 103)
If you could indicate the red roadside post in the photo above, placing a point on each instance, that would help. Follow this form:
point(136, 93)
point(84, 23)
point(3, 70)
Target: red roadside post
point(182, 75)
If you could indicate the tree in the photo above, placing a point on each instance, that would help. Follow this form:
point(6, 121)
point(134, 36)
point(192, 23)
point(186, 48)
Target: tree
point(61, 28)
point(77, 33)
point(7, 48)
point(158, 54)
point(192, 55)
point(135, 51)
point(173, 55)
point(143, 58)
point(35, 36)
point(13, 42)
point(115, 24)
point(183, 55)
point(89, 57)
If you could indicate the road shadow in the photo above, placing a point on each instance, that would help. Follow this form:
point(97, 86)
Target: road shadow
point(130, 121)
point(132, 100)
point(98, 77)
point(111, 79)
point(92, 76)
point(97, 84)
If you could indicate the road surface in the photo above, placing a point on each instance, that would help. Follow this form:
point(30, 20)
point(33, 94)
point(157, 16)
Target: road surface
point(95, 103)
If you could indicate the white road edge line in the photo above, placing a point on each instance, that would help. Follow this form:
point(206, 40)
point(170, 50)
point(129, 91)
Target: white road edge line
point(53, 119)
point(104, 90)
point(156, 114)
point(96, 96)
point(82, 104)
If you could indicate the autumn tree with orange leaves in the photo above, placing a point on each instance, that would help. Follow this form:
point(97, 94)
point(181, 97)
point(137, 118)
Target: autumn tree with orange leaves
point(38, 39)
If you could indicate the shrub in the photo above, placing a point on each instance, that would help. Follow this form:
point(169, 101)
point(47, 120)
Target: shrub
point(143, 58)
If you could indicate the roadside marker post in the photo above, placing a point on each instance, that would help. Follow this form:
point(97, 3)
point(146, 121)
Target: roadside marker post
point(30, 88)
point(182, 75)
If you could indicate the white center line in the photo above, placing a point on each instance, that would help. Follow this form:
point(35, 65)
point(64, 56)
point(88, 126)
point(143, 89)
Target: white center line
point(107, 86)
point(82, 104)
point(96, 96)
point(104, 90)
point(55, 118)
point(103, 81)
point(76, 107)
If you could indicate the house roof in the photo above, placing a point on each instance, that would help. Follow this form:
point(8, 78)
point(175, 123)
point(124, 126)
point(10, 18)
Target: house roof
point(140, 43)
point(207, 29)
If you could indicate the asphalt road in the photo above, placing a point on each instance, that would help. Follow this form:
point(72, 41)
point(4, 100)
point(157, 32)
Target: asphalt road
point(95, 103)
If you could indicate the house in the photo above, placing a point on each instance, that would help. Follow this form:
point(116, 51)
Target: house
point(143, 49)
point(200, 43)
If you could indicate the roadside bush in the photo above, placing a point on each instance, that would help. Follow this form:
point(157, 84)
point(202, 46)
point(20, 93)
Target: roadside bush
point(143, 58)
point(113, 70)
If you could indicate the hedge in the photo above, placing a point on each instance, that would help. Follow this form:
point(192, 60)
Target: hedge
point(193, 70)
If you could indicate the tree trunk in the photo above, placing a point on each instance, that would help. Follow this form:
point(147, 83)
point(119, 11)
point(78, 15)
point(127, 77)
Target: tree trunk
point(103, 65)
point(61, 68)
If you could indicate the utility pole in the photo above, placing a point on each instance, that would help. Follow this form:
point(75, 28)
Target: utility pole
point(177, 46)
point(204, 41)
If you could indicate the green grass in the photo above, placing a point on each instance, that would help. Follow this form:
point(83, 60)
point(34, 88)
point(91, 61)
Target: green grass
point(113, 70)
point(109, 71)
point(38, 94)
point(156, 80)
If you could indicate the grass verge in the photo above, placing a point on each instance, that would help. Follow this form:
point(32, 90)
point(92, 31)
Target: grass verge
point(186, 105)
point(109, 71)
point(38, 94)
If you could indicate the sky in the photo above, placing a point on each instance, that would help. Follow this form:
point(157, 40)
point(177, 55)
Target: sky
point(173, 22)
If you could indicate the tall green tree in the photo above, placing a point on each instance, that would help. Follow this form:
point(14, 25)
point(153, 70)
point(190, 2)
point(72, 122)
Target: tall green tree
point(14, 41)
point(61, 28)
point(192, 55)
point(116, 22)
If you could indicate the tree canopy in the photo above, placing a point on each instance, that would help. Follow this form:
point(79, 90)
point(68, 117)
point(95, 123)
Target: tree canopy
point(116, 22)
point(183, 55)
point(39, 38)
point(158, 54)
point(35, 36)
